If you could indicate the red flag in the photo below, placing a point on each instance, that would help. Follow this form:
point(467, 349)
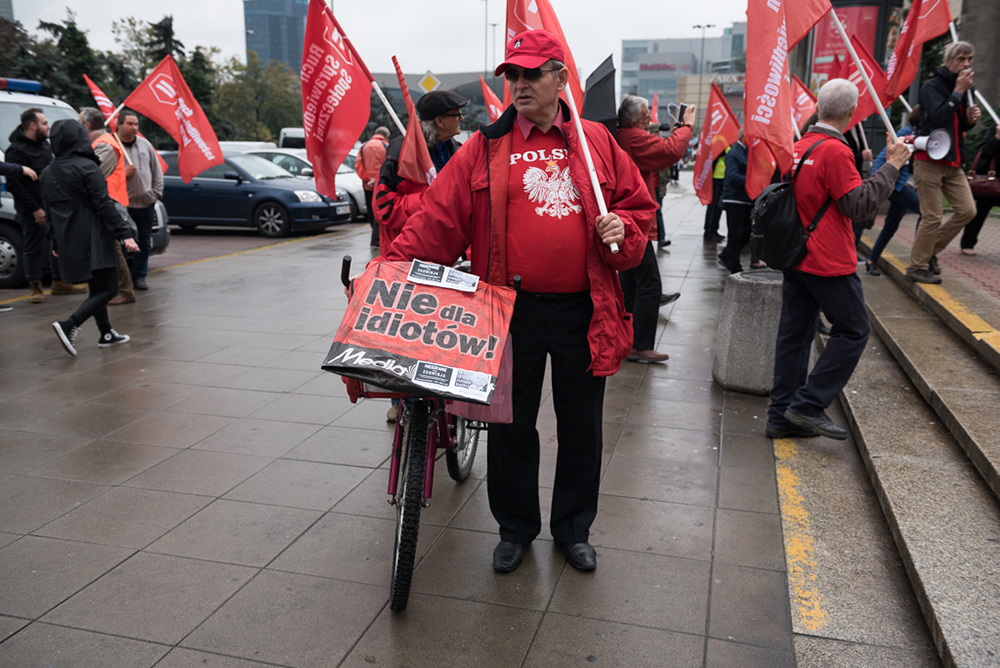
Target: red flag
point(534, 15)
point(654, 108)
point(802, 16)
point(164, 98)
point(721, 129)
point(760, 167)
point(803, 101)
point(415, 162)
point(927, 19)
point(493, 106)
point(336, 95)
point(866, 106)
point(107, 108)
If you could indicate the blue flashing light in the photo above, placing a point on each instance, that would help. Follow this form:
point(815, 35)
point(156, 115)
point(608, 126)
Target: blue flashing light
point(20, 85)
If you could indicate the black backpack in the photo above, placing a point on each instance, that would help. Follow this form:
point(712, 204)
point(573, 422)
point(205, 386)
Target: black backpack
point(777, 233)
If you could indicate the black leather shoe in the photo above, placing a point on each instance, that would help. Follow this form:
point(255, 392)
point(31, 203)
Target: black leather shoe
point(507, 556)
point(872, 269)
point(821, 425)
point(933, 266)
point(788, 432)
point(581, 556)
point(669, 299)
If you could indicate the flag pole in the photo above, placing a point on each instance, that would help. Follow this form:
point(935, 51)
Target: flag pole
point(114, 134)
point(590, 161)
point(986, 104)
point(798, 135)
point(862, 72)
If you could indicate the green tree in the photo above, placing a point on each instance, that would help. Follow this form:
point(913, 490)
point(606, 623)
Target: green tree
point(162, 42)
point(75, 58)
point(131, 35)
point(12, 36)
point(254, 101)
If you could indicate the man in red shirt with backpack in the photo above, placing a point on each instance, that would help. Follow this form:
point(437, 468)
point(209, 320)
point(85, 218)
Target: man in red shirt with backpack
point(366, 166)
point(827, 278)
point(518, 193)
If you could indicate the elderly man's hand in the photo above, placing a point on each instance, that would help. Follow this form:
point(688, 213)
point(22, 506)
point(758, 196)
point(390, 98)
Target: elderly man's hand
point(131, 245)
point(974, 113)
point(611, 229)
point(964, 81)
point(997, 135)
point(690, 114)
point(866, 155)
point(897, 152)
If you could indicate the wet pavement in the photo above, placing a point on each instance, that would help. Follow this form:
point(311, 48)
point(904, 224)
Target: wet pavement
point(205, 495)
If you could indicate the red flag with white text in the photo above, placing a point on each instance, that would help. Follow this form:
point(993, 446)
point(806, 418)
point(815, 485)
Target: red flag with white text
point(803, 102)
point(493, 105)
point(107, 108)
point(336, 95)
point(760, 167)
point(164, 98)
point(415, 162)
point(653, 109)
point(866, 105)
point(721, 130)
point(927, 19)
point(535, 15)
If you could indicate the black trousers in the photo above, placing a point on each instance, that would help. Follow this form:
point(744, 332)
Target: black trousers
point(371, 217)
point(144, 222)
point(738, 227)
point(642, 288)
point(802, 296)
point(103, 288)
point(557, 329)
point(713, 212)
point(970, 234)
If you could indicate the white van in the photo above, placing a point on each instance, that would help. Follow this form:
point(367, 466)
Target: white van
point(292, 138)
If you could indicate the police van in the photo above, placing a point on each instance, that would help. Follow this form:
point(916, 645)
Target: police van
point(17, 96)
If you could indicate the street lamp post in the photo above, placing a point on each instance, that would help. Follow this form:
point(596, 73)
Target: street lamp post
point(701, 65)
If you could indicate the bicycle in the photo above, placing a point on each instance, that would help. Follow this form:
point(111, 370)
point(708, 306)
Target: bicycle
point(423, 426)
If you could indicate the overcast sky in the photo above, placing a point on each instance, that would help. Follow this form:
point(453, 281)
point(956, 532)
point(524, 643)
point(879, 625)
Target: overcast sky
point(436, 35)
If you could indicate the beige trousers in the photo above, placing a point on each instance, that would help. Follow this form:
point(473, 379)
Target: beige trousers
point(125, 276)
point(934, 180)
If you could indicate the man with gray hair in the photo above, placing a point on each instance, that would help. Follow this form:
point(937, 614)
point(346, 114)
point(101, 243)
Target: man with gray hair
point(827, 188)
point(944, 105)
point(650, 153)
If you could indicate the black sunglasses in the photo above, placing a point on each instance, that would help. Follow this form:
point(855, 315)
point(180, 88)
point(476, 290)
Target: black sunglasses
point(530, 75)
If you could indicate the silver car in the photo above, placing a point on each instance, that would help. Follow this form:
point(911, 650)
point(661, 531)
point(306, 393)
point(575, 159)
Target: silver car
point(295, 161)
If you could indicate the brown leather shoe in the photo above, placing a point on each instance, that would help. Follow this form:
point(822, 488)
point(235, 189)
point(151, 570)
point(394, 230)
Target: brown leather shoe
point(36, 296)
point(119, 299)
point(647, 356)
point(64, 288)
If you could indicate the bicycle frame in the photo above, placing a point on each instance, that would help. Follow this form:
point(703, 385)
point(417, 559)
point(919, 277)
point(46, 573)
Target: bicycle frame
point(439, 436)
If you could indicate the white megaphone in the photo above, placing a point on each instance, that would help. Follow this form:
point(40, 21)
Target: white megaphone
point(937, 144)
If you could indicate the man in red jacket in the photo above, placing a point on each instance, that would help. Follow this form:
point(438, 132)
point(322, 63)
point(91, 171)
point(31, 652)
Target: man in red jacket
point(519, 193)
point(642, 285)
point(366, 166)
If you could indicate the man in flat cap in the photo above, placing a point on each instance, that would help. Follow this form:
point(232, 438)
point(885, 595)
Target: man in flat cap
point(519, 194)
point(396, 198)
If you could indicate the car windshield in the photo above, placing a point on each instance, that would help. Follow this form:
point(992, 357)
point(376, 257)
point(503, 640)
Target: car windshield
point(258, 168)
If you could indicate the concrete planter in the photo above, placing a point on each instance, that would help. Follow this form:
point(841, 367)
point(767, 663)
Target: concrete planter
point(748, 327)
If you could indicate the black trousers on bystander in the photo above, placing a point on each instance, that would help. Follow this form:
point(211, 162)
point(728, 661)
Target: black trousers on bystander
point(642, 287)
point(103, 288)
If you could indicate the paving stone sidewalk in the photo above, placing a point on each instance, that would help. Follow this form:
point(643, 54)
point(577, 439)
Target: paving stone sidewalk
point(206, 496)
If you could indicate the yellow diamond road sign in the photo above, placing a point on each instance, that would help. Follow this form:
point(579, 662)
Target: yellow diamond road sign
point(429, 82)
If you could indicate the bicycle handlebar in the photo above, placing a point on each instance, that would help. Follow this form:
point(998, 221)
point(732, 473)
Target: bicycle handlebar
point(345, 271)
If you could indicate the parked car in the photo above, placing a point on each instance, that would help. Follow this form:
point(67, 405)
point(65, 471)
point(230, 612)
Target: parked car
point(297, 163)
point(17, 96)
point(249, 191)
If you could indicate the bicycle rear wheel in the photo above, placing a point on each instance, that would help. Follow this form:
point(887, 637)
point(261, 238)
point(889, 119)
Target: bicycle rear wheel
point(409, 501)
point(462, 456)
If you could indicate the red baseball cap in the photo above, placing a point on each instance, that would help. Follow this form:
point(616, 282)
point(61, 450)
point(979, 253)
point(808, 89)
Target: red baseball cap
point(531, 49)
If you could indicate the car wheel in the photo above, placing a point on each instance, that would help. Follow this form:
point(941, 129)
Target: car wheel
point(11, 266)
point(272, 220)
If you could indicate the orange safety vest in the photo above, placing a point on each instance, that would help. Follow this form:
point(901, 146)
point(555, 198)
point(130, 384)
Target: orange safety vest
point(117, 188)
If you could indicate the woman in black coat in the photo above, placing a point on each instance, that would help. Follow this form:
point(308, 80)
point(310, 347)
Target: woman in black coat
point(86, 226)
point(989, 150)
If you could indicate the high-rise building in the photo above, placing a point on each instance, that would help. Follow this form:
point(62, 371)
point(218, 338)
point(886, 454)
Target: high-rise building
point(275, 29)
point(7, 9)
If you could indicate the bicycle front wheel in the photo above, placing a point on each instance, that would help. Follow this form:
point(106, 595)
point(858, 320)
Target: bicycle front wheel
point(462, 456)
point(409, 501)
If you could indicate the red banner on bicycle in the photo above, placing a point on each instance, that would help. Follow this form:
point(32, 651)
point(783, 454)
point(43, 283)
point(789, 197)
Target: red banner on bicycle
point(425, 330)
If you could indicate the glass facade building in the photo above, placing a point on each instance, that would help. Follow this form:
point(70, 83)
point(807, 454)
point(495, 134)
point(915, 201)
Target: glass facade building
point(275, 29)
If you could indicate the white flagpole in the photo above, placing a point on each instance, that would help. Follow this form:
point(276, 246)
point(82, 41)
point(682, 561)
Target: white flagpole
point(798, 135)
point(862, 72)
point(118, 141)
point(982, 100)
point(590, 160)
point(388, 107)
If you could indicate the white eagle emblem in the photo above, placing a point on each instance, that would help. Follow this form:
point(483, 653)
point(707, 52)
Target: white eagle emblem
point(553, 188)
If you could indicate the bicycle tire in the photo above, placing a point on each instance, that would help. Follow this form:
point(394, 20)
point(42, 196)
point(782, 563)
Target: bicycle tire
point(461, 458)
point(409, 501)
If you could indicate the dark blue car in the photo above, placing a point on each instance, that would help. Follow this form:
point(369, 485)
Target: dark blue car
point(249, 191)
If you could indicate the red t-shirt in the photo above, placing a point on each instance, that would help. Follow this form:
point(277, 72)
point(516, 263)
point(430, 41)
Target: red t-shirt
point(829, 172)
point(546, 226)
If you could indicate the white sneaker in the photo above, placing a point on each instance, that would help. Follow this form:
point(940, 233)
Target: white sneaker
point(66, 334)
point(112, 338)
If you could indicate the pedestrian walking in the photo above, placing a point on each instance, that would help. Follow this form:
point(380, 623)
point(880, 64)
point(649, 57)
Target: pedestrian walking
point(518, 193)
point(29, 146)
point(713, 212)
point(87, 229)
point(737, 205)
point(827, 278)
point(986, 160)
point(903, 199)
point(366, 166)
point(144, 185)
point(943, 106)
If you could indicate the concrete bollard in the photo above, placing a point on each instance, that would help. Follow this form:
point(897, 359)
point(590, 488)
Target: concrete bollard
point(748, 327)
